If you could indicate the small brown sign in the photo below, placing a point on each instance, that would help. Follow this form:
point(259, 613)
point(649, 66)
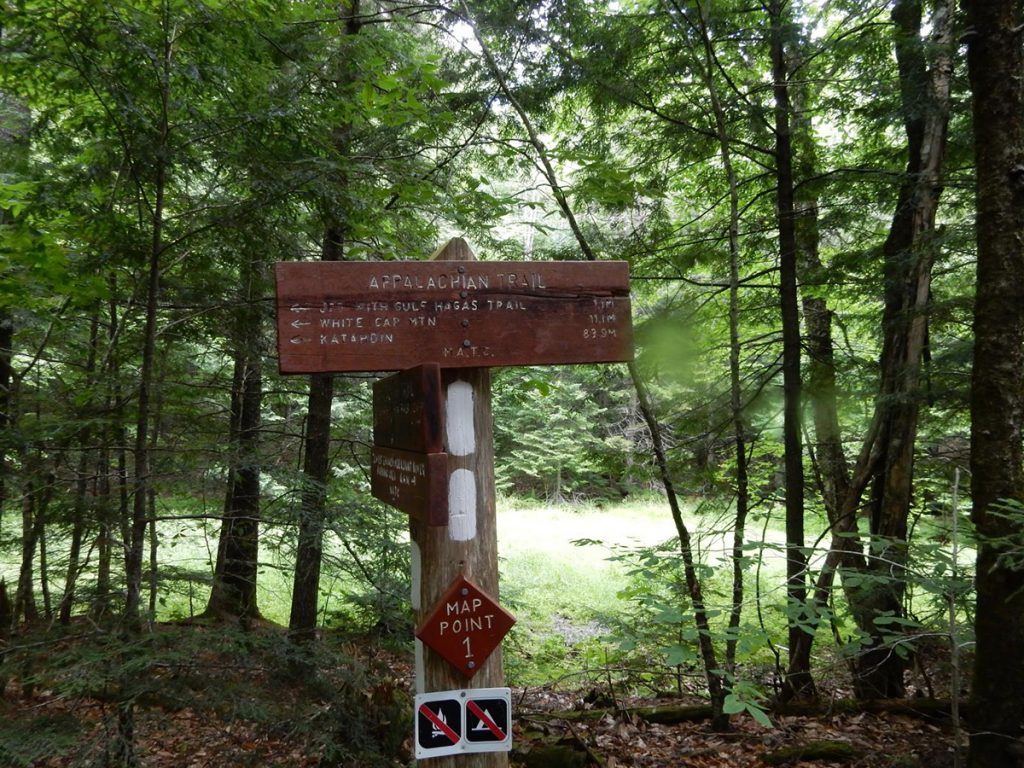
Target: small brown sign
point(465, 626)
point(416, 483)
point(408, 410)
point(384, 316)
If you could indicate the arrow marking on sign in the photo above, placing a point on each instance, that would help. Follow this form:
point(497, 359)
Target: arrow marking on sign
point(485, 718)
point(439, 723)
point(299, 340)
point(300, 323)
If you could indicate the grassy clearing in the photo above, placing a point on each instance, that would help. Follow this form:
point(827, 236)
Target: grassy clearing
point(566, 597)
point(545, 577)
point(544, 571)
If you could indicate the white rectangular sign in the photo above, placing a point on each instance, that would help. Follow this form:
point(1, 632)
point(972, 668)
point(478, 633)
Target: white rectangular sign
point(463, 721)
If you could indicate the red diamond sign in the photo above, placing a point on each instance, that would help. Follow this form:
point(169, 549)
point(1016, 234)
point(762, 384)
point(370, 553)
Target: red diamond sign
point(465, 626)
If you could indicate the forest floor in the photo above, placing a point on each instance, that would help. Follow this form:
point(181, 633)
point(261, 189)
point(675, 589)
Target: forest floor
point(202, 701)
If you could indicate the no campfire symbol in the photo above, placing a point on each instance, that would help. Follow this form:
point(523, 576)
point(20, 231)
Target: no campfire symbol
point(439, 724)
point(465, 626)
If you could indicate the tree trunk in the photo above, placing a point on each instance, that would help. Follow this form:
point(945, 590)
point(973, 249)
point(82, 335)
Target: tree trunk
point(154, 549)
point(735, 385)
point(80, 502)
point(44, 562)
point(908, 255)
point(6, 345)
point(6, 615)
point(234, 580)
point(24, 595)
point(798, 677)
point(995, 60)
point(79, 506)
point(315, 469)
point(17, 125)
point(142, 448)
point(104, 538)
point(38, 492)
point(886, 457)
point(829, 458)
point(694, 589)
point(302, 622)
point(105, 472)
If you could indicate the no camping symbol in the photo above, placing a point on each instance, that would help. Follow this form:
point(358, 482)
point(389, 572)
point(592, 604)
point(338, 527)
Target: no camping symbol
point(487, 720)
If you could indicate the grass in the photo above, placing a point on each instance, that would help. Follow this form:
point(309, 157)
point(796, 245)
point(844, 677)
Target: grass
point(565, 596)
point(542, 569)
point(545, 577)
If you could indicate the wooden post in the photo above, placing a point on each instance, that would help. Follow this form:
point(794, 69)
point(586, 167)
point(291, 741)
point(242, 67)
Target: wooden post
point(468, 545)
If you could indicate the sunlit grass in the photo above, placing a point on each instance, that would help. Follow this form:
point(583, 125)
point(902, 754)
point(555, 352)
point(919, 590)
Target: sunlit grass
point(545, 572)
point(566, 595)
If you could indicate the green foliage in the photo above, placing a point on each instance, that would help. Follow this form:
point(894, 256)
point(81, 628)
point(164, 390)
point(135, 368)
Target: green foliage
point(744, 697)
point(371, 569)
point(261, 125)
point(558, 434)
point(25, 743)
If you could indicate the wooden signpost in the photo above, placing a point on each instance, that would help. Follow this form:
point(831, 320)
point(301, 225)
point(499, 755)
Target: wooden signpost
point(443, 323)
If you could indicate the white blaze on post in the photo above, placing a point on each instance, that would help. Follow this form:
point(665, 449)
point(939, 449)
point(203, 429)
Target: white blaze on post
point(461, 437)
point(421, 668)
point(416, 561)
point(462, 505)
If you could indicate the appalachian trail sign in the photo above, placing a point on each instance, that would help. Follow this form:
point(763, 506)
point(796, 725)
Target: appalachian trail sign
point(443, 323)
point(336, 316)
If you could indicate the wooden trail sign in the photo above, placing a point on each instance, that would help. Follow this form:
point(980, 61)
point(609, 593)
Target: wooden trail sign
point(337, 316)
point(409, 470)
point(416, 483)
point(408, 410)
point(449, 319)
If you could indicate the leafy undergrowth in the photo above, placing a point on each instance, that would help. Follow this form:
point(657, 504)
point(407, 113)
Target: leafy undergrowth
point(207, 696)
point(192, 695)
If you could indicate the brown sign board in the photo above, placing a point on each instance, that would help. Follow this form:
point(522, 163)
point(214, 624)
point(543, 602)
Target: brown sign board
point(408, 410)
point(465, 626)
point(416, 483)
point(339, 316)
